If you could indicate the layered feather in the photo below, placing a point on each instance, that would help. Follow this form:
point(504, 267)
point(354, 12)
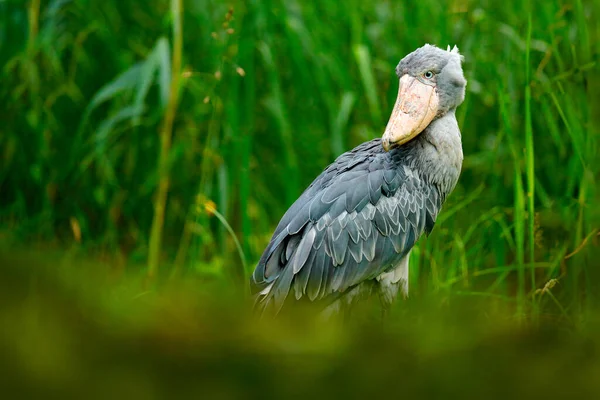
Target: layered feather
point(354, 222)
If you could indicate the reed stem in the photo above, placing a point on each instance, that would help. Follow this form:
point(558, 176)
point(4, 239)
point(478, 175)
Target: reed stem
point(166, 135)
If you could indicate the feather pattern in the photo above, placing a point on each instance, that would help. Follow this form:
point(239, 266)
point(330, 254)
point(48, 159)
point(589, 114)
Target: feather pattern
point(357, 220)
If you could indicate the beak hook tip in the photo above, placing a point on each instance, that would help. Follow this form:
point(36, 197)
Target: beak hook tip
point(385, 142)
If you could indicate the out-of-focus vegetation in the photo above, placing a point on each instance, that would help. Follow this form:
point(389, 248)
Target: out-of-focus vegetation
point(167, 138)
point(70, 330)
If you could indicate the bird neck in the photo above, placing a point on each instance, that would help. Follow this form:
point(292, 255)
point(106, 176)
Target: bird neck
point(438, 153)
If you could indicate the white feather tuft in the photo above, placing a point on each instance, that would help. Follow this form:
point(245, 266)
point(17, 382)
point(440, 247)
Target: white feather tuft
point(456, 51)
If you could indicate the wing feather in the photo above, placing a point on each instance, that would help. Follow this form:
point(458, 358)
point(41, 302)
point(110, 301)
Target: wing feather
point(315, 278)
point(303, 250)
point(357, 219)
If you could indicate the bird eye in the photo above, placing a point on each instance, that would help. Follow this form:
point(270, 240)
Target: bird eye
point(428, 74)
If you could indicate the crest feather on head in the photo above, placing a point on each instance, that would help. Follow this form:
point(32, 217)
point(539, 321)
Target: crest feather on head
point(455, 51)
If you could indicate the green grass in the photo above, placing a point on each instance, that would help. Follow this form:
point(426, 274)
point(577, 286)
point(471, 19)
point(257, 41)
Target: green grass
point(219, 116)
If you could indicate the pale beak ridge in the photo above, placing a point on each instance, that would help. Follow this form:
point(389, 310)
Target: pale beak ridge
point(415, 108)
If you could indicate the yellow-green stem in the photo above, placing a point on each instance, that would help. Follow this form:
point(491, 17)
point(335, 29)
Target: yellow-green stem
point(530, 160)
point(34, 23)
point(165, 143)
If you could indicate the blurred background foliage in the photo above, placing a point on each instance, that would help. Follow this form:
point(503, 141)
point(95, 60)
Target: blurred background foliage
point(227, 110)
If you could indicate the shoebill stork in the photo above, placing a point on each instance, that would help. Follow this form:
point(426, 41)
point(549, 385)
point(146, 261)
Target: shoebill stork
point(349, 235)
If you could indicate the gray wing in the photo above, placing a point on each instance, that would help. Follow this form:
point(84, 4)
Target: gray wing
point(355, 221)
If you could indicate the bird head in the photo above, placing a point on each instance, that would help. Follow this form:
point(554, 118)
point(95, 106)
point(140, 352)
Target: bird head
point(431, 84)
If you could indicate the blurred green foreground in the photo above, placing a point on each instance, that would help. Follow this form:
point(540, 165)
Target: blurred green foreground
point(80, 332)
point(149, 148)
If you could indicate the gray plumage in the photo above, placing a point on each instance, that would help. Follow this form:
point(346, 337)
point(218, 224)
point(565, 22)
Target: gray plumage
point(357, 222)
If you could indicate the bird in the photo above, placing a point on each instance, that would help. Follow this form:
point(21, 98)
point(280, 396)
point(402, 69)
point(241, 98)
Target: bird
point(350, 233)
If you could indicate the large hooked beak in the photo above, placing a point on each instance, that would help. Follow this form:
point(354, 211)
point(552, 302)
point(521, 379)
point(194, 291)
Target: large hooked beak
point(416, 106)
